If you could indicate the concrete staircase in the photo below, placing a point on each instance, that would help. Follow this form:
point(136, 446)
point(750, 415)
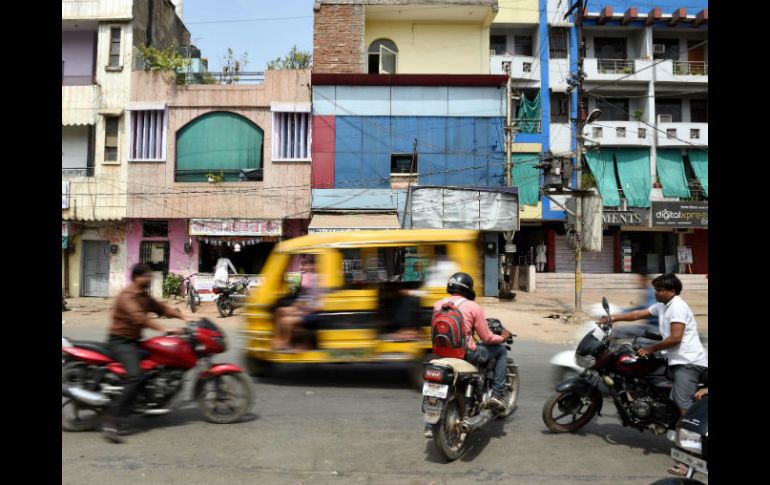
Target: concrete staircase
point(565, 282)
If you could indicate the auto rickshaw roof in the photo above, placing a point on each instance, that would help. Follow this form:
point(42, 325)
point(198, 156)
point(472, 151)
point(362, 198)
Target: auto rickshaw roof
point(381, 238)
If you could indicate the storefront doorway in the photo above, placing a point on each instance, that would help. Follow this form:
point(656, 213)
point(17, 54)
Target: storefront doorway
point(651, 252)
point(247, 257)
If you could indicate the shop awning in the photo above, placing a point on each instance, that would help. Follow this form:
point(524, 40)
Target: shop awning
point(634, 175)
point(670, 168)
point(352, 222)
point(699, 159)
point(602, 165)
point(526, 177)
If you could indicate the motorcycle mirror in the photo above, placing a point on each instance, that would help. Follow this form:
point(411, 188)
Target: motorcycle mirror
point(605, 305)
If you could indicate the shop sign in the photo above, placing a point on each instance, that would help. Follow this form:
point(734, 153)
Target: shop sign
point(65, 195)
point(235, 227)
point(630, 217)
point(684, 254)
point(680, 214)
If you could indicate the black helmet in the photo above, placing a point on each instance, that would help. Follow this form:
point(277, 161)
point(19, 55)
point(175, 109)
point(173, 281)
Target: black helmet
point(461, 283)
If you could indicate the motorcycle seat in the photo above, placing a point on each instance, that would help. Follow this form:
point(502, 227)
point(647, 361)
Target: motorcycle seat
point(100, 347)
point(460, 366)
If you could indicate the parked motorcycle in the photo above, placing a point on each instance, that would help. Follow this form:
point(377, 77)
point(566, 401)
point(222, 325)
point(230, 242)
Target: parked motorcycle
point(92, 378)
point(456, 397)
point(638, 386)
point(231, 296)
point(692, 438)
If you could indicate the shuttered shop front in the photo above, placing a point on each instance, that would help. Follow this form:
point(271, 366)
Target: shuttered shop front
point(601, 262)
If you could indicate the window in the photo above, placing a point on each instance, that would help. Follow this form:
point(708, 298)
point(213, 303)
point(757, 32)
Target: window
point(155, 229)
point(291, 136)
point(382, 57)
point(642, 133)
point(155, 254)
point(609, 47)
point(699, 111)
point(147, 137)
point(219, 142)
point(559, 108)
point(77, 151)
point(403, 164)
point(597, 132)
point(558, 42)
point(620, 132)
point(114, 47)
point(613, 109)
point(522, 45)
point(671, 107)
point(670, 133)
point(694, 134)
point(498, 43)
point(670, 49)
point(111, 139)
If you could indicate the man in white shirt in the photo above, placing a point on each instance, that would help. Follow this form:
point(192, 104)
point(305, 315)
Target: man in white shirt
point(221, 275)
point(687, 359)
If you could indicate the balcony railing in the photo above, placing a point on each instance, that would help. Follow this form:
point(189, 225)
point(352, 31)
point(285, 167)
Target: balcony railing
point(256, 77)
point(615, 66)
point(691, 68)
point(527, 126)
point(77, 172)
point(220, 175)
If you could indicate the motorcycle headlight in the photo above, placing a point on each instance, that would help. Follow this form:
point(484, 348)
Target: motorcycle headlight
point(585, 361)
point(688, 440)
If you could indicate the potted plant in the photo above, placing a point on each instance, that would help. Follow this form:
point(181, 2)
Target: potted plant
point(216, 178)
point(657, 184)
point(638, 115)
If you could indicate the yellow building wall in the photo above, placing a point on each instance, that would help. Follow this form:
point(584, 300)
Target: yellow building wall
point(517, 12)
point(434, 48)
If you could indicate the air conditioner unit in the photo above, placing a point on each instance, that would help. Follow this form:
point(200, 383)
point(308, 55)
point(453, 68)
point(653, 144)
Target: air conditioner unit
point(665, 119)
point(658, 48)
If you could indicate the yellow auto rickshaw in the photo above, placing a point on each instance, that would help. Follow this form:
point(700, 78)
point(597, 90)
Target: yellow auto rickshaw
point(375, 295)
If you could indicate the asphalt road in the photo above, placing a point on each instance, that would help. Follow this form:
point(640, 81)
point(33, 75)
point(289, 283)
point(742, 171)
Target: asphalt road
point(340, 424)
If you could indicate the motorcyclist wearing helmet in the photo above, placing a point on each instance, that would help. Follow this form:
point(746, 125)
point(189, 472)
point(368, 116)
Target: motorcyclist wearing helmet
point(460, 287)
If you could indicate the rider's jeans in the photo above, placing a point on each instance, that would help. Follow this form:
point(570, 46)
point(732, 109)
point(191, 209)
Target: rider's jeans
point(486, 352)
point(127, 352)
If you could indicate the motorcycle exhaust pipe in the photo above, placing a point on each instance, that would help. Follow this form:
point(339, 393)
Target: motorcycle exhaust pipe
point(476, 422)
point(87, 397)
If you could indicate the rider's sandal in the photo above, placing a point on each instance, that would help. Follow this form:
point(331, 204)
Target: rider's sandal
point(678, 470)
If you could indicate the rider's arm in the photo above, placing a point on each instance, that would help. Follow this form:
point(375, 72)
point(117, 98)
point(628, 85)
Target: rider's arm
point(677, 332)
point(230, 264)
point(482, 329)
point(630, 316)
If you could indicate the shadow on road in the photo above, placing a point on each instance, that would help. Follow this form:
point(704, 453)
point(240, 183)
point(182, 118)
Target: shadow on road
point(617, 434)
point(186, 413)
point(477, 441)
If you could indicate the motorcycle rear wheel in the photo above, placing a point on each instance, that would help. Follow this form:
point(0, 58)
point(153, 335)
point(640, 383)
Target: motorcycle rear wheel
point(225, 307)
point(192, 298)
point(450, 443)
point(76, 416)
point(581, 408)
point(225, 398)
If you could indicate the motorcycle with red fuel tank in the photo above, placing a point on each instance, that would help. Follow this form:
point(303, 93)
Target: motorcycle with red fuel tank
point(638, 386)
point(92, 378)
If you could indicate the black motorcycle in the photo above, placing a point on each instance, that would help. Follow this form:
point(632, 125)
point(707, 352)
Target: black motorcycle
point(456, 397)
point(231, 296)
point(638, 386)
point(692, 438)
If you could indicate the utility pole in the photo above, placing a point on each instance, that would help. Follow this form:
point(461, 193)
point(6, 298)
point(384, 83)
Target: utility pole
point(510, 133)
point(579, 165)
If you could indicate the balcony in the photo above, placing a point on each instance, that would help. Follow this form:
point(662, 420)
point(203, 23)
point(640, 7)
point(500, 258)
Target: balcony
point(527, 126)
point(682, 71)
point(77, 172)
point(619, 133)
point(623, 70)
point(79, 104)
point(524, 68)
point(683, 134)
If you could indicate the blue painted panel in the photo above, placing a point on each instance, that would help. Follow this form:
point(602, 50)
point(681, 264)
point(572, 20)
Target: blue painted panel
point(468, 101)
point(323, 100)
point(431, 134)
point(495, 169)
point(362, 101)
point(348, 135)
point(403, 131)
point(488, 137)
point(418, 101)
point(529, 138)
point(460, 170)
point(376, 136)
point(667, 6)
point(460, 135)
point(432, 168)
point(368, 170)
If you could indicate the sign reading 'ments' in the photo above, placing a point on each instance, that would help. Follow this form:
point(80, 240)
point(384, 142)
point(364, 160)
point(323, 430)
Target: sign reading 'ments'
point(680, 214)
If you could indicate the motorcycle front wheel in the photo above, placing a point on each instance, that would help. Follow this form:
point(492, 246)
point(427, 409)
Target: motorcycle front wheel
point(76, 416)
point(225, 307)
point(449, 440)
point(226, 398)
point(192, 297)
point(568, 411)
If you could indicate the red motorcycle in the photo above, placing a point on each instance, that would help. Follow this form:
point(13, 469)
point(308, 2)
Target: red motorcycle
point(92, 378)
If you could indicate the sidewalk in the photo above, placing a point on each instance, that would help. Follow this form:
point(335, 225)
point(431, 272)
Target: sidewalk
point(541, 317)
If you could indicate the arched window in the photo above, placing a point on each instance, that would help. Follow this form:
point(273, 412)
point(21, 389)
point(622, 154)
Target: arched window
point(382, 57)
point(218, 142)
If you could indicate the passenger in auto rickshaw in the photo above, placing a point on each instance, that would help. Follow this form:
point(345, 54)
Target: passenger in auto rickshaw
point(299, 308)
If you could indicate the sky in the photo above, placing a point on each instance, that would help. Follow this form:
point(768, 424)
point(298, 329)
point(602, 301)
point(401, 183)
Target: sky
point(263, 40)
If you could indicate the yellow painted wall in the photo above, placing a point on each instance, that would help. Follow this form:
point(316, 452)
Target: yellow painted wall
point(517, 12)
point(434, 48)
point(74, 269)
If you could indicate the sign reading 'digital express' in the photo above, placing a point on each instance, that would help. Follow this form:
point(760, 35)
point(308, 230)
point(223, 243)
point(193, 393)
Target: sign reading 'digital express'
point(680, 214)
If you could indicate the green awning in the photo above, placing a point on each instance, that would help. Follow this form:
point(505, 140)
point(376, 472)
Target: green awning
point(670, 168)
point(602, 165)
point(526, 177)
point(634, 175)
point(699, 160)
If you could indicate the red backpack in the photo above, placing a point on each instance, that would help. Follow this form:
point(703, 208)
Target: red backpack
point(447, 330)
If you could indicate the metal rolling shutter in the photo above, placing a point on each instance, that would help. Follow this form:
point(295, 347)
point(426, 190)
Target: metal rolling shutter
point(602, 262)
